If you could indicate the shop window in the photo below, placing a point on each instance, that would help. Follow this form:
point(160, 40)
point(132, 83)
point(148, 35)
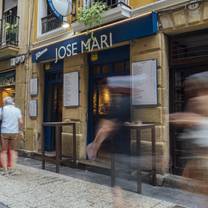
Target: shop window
point(6, 91)
point(106, 69)
point(97, 70)
point(119, 67)
point(101, 100)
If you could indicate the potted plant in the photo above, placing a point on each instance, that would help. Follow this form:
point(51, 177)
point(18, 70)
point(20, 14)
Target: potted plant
point(97, 13)
point(91, 16)
point(11, 32)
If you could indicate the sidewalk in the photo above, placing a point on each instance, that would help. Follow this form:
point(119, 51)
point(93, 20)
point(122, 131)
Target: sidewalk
point(173, 195)
point(39, 188)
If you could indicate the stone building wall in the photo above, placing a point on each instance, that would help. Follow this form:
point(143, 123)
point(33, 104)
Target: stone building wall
point(153, 47)
point(183, 20)
point(78, 114)
point(24, 13)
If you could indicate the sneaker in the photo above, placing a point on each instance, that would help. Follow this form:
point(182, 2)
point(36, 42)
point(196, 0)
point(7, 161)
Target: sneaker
point(4, 173)
point(91, 151)
point(13, 172)
point(118, 199)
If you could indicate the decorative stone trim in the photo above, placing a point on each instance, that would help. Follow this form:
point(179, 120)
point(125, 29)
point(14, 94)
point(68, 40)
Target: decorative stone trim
point(175, 19)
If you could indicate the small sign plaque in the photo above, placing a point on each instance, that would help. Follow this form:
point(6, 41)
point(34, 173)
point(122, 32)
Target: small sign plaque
point(33, 108)
point(71, 89)
point(144, 83)
point(33, 86)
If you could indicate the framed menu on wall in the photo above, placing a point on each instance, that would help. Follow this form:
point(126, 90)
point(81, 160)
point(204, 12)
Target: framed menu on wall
point(144, 83)
point(71, 89)
point(33, 108)
point(33, 86)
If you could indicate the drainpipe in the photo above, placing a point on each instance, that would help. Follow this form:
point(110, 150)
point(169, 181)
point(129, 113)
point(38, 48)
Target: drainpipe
point(27, 62)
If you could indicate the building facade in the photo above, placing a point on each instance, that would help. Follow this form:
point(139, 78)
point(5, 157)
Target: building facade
point(14, 47)
point(55, 54)
point(131, 34)
point(185, 27)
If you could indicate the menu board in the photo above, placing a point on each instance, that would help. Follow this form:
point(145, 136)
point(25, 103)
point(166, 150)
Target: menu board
point(71, 89)
point(144, 83)
point(33, 108)
point(33, 86)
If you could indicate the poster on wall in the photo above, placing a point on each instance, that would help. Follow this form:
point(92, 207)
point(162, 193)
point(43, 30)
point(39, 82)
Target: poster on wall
point(33, 86)
point(71, 89)
point(144, 83)
point(33, 108)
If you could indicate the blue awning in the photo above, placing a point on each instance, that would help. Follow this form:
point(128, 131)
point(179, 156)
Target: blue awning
point(102, 38)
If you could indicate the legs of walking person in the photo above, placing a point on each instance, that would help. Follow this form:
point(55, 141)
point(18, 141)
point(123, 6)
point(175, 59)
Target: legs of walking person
point(106, 127)
point(12, 145)
point(3, 154)
point(118, 200)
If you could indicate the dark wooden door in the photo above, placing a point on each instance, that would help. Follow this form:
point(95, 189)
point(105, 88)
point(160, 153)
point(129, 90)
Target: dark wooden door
point(188, 55)
point(53, 102)
point(113, 62)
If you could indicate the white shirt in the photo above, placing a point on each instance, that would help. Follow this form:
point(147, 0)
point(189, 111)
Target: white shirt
point(10, 119)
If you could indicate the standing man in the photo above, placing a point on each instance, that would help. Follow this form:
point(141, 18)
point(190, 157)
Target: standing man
point(12, 122)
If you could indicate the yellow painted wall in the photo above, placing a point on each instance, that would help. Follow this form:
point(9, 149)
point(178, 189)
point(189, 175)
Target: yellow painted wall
point(139, 3)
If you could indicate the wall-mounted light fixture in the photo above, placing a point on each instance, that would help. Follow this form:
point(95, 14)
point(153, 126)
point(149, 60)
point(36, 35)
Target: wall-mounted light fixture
point(65, 24)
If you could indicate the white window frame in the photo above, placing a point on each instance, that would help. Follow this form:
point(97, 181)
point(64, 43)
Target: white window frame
point(42, 12)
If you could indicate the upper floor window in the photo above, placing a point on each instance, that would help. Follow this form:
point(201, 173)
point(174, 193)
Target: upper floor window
point(9, 23)
point(47, 21)
point(10, 7)
point(50, 21)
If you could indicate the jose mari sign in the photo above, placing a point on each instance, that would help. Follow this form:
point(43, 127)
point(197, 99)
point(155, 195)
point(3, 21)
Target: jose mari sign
point(91, 44)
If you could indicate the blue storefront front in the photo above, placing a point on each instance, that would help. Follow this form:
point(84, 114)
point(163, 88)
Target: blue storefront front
point(106, 53)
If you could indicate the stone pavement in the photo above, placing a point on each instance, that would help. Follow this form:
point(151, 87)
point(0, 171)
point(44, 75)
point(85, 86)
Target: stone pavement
point(174, 195)
point(33, 188)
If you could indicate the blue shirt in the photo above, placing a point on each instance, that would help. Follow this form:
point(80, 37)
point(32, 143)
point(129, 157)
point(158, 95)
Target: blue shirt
point(10, 119)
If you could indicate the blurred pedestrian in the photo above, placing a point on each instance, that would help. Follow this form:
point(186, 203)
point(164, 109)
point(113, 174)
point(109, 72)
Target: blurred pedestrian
point(118, 198)
point(12, 122)
point(119, 112)
point(195, 123)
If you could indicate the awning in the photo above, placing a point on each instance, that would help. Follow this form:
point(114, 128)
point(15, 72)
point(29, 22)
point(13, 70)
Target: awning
point(103, 38)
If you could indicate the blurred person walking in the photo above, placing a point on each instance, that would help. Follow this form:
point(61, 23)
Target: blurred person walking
point(118, 113)
point(195, 124)
point(12, 122)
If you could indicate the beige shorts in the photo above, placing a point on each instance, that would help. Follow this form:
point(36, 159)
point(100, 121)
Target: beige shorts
point(9, 136)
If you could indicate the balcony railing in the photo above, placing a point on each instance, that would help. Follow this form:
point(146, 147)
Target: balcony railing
point(114, 3)
point(88, 3)
point(109, 3)
point(116, 10)
point(49, 23)
point(9, 34)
